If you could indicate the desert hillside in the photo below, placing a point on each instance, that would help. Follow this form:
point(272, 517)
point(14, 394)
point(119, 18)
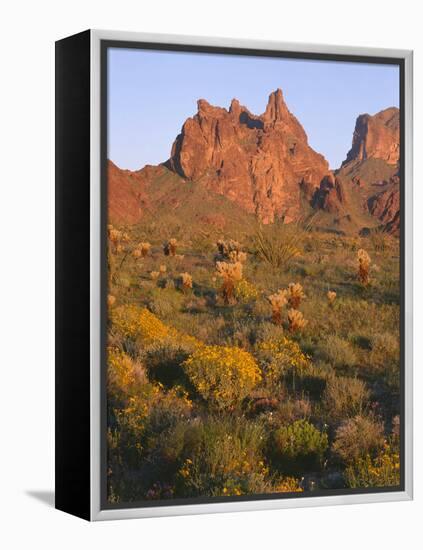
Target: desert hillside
point(254, 312)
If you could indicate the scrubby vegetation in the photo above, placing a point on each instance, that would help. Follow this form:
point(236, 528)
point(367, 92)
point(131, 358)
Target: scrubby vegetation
point(250, 361)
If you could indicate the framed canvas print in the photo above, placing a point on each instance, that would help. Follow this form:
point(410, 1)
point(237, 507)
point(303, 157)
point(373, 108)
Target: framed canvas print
point(233, 280)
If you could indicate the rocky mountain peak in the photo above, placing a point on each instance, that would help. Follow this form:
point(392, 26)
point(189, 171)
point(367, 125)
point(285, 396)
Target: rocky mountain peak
point(264, 165)
point(257, 161)
point(276, 109)
point(376, 137)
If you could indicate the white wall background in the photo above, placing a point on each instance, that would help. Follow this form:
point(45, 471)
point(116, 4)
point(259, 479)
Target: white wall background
point(28, 31)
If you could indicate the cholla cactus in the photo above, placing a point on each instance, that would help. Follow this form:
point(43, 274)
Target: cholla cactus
point(295, 295)
point(229, 270)
point(145, 248)
point(363, 260)
point(226, 247)
point(172, 246)
point(162, 269)
point(136, 253)
point(111, 300)
point(114, 234)
point(155, 275)
point(169, 247)
point(221, 246)
point(296, 320)
point(237, 256)
point(230, 273)
point(331, 295)
point(115, 237)
point(186, 281)
point(278, 301)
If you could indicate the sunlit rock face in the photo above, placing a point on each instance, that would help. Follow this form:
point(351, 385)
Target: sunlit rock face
point(263, 163)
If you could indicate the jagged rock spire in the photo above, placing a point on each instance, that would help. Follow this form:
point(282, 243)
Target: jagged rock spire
point(276, 109)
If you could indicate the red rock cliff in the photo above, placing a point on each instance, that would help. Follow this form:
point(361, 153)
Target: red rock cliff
point(376, 137)
point(262, 163)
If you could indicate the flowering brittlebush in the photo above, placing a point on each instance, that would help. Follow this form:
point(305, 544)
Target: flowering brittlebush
point(288, 485)
point(134, 322)
point(281, 356)
point(382, 471)
point(245, 291)
point(121, 371)
point(131, 321)
point(222, 375)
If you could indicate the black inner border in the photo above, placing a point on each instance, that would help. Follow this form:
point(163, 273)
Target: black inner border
point(104, 46)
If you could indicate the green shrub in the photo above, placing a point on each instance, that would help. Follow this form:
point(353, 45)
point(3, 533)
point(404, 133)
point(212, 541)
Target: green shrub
point(134, 436)
point(299, 447)
point(385, 356)
point(266, 330)
point(345, 396)
point(381, 240)
point(337, 352)
point(357, 437)
point(223, 457)
point(165, 302)
point(290, 410)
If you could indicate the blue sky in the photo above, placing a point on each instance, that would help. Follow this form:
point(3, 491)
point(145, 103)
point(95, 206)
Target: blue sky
point(152, 93)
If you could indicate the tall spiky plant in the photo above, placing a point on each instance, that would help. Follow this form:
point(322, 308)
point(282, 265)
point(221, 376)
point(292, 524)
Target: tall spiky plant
point(278, 244)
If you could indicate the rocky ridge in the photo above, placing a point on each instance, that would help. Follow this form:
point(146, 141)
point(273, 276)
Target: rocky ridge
point(264, 165)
